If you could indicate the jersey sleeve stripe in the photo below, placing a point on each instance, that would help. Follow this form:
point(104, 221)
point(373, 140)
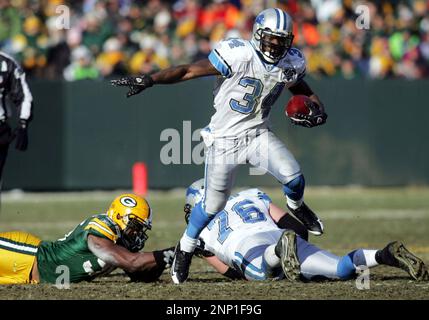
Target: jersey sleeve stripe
point(104, 224)
point(220, 64)
point(95, 226)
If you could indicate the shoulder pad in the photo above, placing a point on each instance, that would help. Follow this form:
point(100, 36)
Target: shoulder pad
point(102, 225)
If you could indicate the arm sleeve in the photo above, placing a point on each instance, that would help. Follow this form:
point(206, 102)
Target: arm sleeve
point(20, 93)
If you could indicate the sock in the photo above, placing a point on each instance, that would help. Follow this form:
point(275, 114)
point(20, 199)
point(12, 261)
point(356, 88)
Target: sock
point(294, 192)
point(271, 258)
point(294, 204)
point(187, 243)
point(364, 257)
point(370, 257)
point(360, 257)
point(197, 221)
point(271, 262)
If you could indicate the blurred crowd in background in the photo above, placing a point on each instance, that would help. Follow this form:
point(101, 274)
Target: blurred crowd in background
point(113, 38)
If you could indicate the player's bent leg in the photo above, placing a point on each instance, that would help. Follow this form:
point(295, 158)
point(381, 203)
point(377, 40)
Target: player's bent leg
point(281, 163)
point(315, 262)
point(250, 257)
point(219, 178)
point(286, 249)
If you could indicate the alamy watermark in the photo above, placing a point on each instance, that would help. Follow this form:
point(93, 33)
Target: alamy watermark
point(62, 20)
point(363, 278)
point(200, 146)
point(63, 280)
point(363, 21)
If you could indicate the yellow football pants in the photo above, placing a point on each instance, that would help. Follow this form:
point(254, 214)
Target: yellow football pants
point(17, 255)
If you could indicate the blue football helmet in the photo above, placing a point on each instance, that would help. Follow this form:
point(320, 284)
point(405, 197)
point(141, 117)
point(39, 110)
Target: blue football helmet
point(272, 34)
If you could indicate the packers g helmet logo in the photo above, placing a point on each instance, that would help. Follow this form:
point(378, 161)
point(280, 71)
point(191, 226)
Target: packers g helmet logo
point(128, 202)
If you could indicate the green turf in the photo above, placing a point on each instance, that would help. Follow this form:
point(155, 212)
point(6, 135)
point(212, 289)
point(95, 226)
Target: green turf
point(354, 217)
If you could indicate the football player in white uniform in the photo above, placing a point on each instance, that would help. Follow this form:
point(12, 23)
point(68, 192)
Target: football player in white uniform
point(249, 241)
point(251, 76)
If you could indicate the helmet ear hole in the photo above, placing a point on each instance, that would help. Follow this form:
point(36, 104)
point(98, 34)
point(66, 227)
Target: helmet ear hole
point(118, 216)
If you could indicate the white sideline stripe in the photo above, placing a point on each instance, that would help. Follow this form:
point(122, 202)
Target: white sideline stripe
point(373, 214)
point(160, 223)
point(17, 247)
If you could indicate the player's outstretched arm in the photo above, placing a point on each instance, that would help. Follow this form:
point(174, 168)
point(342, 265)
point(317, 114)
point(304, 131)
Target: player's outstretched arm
point(120, 257)
point(167, 76)
point(319, 114)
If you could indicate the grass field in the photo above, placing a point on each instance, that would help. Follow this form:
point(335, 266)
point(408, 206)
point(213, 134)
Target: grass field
point(353, 217)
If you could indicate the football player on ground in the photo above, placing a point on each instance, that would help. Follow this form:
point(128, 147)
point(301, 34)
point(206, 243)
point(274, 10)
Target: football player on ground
point(95, 247)
point(251, 76)
point(248, 242)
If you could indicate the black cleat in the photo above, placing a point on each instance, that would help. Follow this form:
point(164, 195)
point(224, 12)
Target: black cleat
point(396, 255)
point(180, 266)
point(308, 218)
point(287, 252)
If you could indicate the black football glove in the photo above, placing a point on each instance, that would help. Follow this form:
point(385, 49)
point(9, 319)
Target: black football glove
point(136, 84)
point(6, 134)
point(315, 118)
point(200, 250)
point(21, 134)
point(187, 210)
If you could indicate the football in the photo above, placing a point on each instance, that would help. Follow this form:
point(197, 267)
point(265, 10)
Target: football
point(296, 104)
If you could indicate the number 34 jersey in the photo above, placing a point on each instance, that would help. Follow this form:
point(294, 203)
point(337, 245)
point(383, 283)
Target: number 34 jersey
point(245, 214)
point(249, 87)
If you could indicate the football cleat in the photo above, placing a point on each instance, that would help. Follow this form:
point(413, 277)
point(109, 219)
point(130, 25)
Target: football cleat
point(308, 218)
point(398, 256)
point(286, 250)
point(180, 266)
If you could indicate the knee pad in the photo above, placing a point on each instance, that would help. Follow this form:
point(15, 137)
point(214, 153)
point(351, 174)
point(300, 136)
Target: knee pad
point(294, 189)
point(345, 268)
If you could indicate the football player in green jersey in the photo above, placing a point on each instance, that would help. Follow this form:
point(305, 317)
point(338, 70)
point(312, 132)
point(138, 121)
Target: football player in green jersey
point(97, 246)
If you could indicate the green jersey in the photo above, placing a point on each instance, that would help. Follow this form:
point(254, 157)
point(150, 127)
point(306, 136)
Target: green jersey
point(72, 251)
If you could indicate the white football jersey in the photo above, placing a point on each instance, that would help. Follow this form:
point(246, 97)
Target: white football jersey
point(245, 214)
point(248, 88)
